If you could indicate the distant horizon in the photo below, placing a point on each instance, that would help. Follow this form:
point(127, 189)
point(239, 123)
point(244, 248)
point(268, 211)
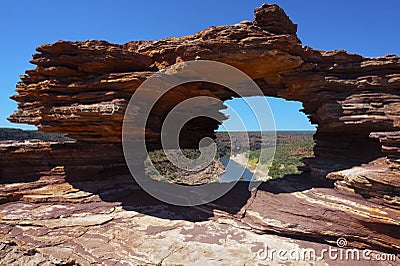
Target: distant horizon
point(278, 130)
point(250, 131)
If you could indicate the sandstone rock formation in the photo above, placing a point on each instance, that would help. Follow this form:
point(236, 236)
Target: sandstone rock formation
point(113, 221)
point(83, 88)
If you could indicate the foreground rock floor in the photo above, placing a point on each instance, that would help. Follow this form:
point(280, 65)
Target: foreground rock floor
point(114, 222)
point(73, 203)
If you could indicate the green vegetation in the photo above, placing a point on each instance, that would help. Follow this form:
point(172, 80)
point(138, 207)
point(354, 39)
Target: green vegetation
point(19, 134)
point(291, 147)
point(164, 170)
point(164, 166)
point(287, 157)
point(168, 169)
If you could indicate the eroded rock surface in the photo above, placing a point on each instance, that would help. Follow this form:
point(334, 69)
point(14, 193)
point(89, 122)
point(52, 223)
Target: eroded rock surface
point(83, 88)
point(60, 199)
point(62, 222)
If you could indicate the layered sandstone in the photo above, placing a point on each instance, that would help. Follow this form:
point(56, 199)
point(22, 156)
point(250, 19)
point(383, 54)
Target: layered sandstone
point(83, 88)
point(113, 221)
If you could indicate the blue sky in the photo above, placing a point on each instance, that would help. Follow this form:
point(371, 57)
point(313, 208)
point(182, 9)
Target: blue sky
point(370, 28)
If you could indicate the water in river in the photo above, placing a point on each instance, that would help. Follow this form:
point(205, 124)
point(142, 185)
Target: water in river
point(234, 171)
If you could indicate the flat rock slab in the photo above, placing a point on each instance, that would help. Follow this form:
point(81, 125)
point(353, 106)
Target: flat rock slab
point(122, 224)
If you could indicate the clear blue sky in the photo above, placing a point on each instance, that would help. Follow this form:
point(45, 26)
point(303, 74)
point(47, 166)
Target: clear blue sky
point(370, 28)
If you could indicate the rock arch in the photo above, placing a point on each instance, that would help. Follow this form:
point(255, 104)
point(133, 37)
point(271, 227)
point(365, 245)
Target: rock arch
point(83, 88)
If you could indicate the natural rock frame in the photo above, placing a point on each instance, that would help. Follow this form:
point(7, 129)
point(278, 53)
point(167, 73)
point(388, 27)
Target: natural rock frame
point(82, 88)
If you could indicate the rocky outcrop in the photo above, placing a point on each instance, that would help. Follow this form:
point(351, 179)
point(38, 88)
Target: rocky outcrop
point(113, 221)
point(34, 159)
point(83, 88)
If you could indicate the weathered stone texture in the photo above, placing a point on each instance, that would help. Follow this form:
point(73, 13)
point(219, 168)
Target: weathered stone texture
point(64, 200)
